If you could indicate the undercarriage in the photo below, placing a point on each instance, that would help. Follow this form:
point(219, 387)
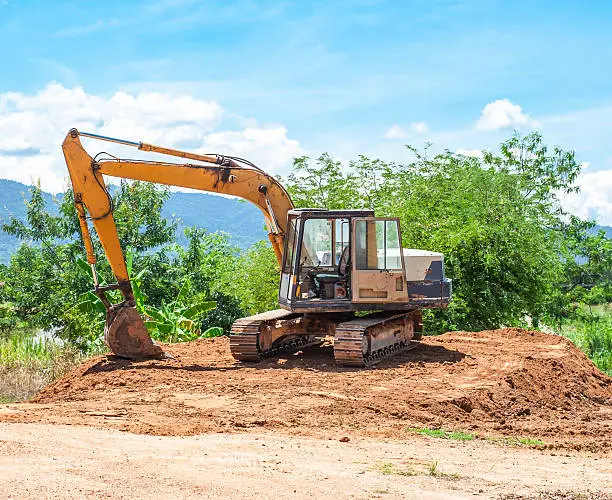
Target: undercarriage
point(358, 341)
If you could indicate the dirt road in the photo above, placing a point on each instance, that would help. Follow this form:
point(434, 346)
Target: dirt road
point(71, 462)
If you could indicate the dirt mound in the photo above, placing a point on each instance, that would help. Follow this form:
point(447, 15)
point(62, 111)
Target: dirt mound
point(508, 382)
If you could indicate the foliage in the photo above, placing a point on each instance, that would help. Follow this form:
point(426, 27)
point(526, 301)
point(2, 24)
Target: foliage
point(590, 329)
point(323, 183)
point(209, 263)
point(8, 317)
point(430, 469)
point(588, 263)
point(440, 433)
point(22, 347)
point(255, 281)
point(518, 441)
point(28, 363)
point(509, 247)
point(176, 321)
point(48, 283)
point(391, 469)
point(137, 212)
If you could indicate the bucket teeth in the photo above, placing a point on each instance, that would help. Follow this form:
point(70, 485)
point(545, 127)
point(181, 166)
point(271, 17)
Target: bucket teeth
point(126, 335)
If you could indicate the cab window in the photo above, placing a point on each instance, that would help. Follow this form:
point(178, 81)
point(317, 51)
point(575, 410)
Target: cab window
point(317, 243)
point(377, 245)
point(290, 253)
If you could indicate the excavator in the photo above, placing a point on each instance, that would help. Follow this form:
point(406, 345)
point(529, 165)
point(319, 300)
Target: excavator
point(344, 274)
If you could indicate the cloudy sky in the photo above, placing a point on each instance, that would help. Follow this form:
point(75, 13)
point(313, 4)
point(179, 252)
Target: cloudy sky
point(272, 80)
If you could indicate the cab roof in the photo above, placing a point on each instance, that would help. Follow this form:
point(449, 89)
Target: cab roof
point(324, 213)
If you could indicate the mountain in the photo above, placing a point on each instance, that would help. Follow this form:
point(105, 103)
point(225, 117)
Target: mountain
point(607, 229)
point(12, 197)
point(243, 221)
point(240, 219)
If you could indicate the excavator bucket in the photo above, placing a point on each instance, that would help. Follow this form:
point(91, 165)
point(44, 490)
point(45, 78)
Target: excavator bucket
point(126, 335)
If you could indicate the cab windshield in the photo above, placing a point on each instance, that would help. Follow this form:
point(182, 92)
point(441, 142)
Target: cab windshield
point(323, 242)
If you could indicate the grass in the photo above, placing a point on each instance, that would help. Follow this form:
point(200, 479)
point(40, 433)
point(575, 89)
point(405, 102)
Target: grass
point(28, 363)
point(526, 441)
point(431, 469)
point(592, 334)
point(517, 441)
point(391, 469)
point(466, 436)
point(442, 434)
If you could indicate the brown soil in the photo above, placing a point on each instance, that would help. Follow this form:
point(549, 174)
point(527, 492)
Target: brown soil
point(508, 382)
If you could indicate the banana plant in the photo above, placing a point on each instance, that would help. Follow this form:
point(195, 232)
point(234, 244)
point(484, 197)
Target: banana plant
point(175, 321)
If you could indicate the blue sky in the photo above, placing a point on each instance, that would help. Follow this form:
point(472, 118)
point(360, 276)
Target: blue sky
point(336, 76)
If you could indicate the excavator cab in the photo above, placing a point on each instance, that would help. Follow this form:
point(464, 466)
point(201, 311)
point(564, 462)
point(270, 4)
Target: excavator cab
point(350, 260)
point(316, 268)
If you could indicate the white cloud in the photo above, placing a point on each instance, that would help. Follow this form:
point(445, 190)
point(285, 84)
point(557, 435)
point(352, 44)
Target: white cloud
point(397, 132)
point(475, 153)
point(594, 201)
point(503, 114)
point(32, 128)
point(269, 148)
point(419, 127)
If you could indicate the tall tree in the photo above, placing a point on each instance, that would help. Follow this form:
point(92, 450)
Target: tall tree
point(41, 280)
point(497, 219)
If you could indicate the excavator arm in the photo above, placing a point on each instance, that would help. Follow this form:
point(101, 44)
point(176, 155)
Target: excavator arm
point(125, 332)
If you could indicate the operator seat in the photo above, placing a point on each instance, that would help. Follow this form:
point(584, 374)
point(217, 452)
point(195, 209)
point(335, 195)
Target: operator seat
point(326, 281)
point(343, 263)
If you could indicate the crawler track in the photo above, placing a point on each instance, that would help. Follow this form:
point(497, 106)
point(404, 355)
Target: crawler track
point(358, 342)
point(355, 344)
point(245, 338)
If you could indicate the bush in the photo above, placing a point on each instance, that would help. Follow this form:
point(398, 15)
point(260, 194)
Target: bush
point(8, 317)
point(592, 333)
point(28, 363)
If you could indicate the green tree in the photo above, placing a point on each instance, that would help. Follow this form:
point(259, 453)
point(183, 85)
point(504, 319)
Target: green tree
point(497, 219)
point(322, 183)
point(137, 210)
point(508, 245)
point(42, 281)
point(256, 279)
point(209, 262)
point(587, 264)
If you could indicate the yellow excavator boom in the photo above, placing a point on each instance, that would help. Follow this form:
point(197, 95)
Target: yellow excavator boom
point(125, 332)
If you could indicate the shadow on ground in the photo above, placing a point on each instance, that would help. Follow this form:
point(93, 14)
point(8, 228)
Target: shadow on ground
point(319, 358)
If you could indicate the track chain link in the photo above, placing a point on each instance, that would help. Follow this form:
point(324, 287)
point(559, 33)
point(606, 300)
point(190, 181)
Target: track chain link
point(244, 343)
point(349, 342)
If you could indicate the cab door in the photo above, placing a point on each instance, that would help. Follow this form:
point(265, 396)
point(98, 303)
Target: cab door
point(378, 264)
point(288, 279)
